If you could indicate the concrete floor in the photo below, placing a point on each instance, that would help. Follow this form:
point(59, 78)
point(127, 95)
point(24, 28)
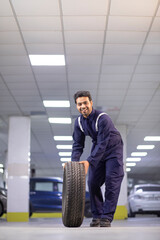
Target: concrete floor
point(139, 228)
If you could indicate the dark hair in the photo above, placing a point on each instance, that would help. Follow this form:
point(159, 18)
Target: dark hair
point(82, 94)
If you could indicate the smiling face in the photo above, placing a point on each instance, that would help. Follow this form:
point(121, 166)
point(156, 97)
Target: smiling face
point(84, 106)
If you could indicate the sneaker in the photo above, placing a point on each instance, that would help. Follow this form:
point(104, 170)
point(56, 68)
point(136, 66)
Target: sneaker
point(95, 222)
point(104, 222)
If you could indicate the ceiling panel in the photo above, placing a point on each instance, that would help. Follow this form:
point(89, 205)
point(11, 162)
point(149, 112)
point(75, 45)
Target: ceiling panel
point(84, 23)
point(42, 23)
point(122, 49)
point(6, 9)
point(151, 49)
point(48, 48)
point(126, 37)
point(83, 60)
point(8, 24)
point(118, 69)
point(83, 49)
point(85, 37)
point(36, 7)
point(133, 8)
point(42, 37)
point(121, 23)
point(156, 25)
point(12, 50)
point(14, 61)
point(10, 37)
point(120, 59)
point(84, 7)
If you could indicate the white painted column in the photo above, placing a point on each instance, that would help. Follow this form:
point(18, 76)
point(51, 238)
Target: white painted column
point(121, 211)
point(18, 169)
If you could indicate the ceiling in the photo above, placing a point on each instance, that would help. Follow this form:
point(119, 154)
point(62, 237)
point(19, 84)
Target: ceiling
point(111, 48)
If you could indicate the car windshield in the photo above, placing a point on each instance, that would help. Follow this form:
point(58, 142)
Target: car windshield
point(148, 189)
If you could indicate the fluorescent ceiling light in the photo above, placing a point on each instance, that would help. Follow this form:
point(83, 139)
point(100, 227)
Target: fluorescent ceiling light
point(130, 164)
point(63, 138)
point(47, 60)
point(64, 146)
point(152, 138)
point(133, 159)
point(60, 120)
point(145, 147)
point(67, 154)
point(56, 103)
point(1, 170)
point(65, 159)
point(139, 154)
point(128, 169)
point(1, 165)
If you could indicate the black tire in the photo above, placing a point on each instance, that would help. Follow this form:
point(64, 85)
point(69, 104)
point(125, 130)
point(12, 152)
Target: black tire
point(30, 210)
point(158, 214)
point(1, 209)
point(73, 197)
point(131, 214)
point(87, 211)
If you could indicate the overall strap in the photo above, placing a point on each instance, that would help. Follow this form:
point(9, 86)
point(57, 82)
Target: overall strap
point(96, 125)
point(80, 125)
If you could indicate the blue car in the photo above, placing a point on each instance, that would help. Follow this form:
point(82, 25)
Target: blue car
point(46, 196)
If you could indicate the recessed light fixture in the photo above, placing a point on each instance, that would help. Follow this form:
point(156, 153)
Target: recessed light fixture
point(60, 120)
point(63, 138)
point(139, 154)
point(133, 159)
point(1, 165)
point(152, 138)
point(130, 164)
point(128, 169)
point(65, 159)
point(47, 60)
point(1, 170)
point(64, 146)
point(63, 154)
point(147, 147)
point(49, 103)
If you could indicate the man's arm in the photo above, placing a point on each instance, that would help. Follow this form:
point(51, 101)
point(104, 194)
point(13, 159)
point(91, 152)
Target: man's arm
point(105, 124)
point(78, 145)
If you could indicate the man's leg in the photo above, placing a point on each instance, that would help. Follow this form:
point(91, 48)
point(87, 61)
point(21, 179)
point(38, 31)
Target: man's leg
point(95, 181)
point(113, 180)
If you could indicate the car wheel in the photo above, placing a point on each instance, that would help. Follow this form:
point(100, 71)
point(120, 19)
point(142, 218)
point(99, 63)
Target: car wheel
point(87, 211)
point(131, 214)
point(1, 209)
point(73, 197)
point(30, 210)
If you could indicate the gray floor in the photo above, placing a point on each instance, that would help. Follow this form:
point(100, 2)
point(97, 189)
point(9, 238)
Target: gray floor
point(139, 228)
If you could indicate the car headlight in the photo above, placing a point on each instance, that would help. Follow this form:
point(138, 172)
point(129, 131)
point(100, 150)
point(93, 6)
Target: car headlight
point(138, 197)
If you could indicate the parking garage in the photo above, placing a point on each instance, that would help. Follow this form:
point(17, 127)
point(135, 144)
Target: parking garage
point(50, 49)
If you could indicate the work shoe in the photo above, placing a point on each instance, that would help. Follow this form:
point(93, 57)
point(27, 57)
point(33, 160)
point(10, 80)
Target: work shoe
point(104, 222)
point(95, 222)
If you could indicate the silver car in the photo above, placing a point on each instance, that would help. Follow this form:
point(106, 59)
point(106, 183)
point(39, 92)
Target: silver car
point(144, 199)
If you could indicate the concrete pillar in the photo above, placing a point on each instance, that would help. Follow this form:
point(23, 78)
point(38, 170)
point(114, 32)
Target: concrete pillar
point(18, 169)
point(121, 211)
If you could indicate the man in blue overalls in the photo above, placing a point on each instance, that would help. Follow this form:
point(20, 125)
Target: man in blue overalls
point(105, 162)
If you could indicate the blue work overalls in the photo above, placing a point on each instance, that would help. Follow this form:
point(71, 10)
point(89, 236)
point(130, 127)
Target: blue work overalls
point(106, 161)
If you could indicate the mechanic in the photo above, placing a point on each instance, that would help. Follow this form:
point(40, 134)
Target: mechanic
point(105, 162)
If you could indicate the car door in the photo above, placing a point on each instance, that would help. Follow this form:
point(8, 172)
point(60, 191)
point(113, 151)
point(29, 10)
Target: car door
point(43, 196)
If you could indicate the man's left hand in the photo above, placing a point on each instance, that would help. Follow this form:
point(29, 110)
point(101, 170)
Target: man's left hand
point(86, 165)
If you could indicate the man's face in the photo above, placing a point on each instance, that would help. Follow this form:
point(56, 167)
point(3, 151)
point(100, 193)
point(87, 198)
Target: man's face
point(84, 106)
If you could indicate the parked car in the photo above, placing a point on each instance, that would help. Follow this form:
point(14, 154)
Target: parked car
point(144, 199)
point(46, 196)
point(3, 201)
